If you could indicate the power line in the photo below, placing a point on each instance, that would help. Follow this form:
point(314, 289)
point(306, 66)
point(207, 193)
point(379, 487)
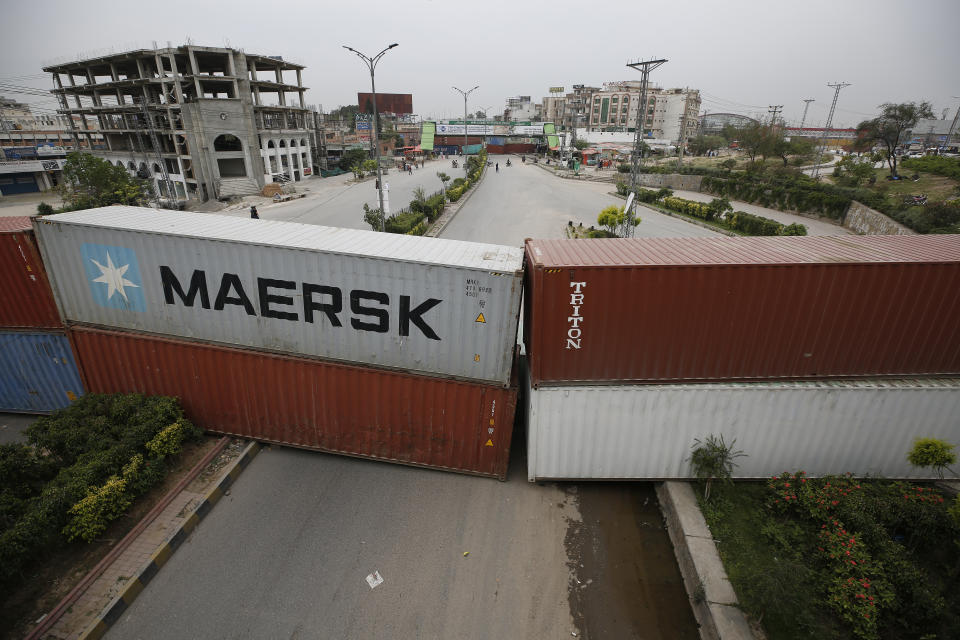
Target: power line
point(826, 129)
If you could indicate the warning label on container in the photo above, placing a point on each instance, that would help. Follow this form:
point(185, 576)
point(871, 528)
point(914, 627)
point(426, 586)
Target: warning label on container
point(481, 319)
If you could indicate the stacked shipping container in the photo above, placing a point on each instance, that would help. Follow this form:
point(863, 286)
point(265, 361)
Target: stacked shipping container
point(640, 315)
point(38, 373)
point(391, 347)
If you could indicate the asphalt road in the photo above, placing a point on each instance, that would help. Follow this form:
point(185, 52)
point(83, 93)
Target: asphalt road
point(524, 201)
point(287, 553)
point(12, 426)
point(335, 202)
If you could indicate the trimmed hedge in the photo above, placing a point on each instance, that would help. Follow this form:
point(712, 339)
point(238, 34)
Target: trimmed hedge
point(403, 221)
point(83, 464)
point(741, 221)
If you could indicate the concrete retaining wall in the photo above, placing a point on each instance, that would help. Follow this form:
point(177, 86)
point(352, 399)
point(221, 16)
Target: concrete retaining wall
point(862, 219)
point(671, 180)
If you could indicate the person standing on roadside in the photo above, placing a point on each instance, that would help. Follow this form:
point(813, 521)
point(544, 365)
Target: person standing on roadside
point(253, 213)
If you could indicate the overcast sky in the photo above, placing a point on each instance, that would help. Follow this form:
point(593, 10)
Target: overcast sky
point(743, 55)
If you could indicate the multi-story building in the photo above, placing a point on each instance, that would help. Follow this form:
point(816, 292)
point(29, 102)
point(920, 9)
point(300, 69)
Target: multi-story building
point(198, 121)
point(522, 108)
point(667, 112)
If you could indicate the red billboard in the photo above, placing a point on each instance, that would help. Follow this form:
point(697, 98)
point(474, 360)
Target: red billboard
point(398, 103)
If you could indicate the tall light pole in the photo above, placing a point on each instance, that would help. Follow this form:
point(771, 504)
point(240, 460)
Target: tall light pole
point(465, 95)
point(372, 65)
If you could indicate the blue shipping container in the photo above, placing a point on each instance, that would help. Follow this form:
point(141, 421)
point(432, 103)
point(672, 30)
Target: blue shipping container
point(38, 373)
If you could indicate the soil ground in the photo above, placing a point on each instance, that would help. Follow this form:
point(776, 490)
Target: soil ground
point(54, 576)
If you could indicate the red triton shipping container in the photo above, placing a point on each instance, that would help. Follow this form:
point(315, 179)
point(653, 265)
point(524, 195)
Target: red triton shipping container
point(26, 300)
point(390, 416)
point(706, 309)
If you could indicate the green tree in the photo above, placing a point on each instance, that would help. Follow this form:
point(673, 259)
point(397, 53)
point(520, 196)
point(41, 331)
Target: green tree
point(373, 217)
point(889, 126)
point(854, 171)
point(352, 157)
point(444, 178)
point(701, 144)
point(89, 181)
point(580, 144)
point(930, 452)
point(753, 139)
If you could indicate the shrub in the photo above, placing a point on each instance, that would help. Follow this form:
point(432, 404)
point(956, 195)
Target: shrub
point(92, 460)
point(622, 188)
point(933, 453)
point(44, 209)
point(623, 167)
point(454, 193)
point(97, 509)
point(753, 225)
point(403, 221)
point(169, 441)
point(713, 459)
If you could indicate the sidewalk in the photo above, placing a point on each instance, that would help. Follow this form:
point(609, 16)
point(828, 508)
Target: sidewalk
point(99, 599)
point(25, 204)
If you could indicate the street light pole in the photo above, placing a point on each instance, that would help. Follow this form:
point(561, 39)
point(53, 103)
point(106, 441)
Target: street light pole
point(372, 65)
point(465, 94)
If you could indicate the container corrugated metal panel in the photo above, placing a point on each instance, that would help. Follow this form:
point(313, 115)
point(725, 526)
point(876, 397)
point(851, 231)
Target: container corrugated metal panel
point(390, 416)
point(431, 306)
point(647, 431)
point(701, 309)
point(26, 301)
point(37, 372)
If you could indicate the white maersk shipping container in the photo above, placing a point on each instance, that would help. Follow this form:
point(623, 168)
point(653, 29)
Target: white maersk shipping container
point(438, 307)
point(647, 431)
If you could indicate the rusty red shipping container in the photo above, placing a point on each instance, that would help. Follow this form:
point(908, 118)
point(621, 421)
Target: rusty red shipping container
point(703, 309)
point(395, 417)
point(26, 300)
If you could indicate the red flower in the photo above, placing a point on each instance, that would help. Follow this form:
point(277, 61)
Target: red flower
point(786, 484)
point(853, 562)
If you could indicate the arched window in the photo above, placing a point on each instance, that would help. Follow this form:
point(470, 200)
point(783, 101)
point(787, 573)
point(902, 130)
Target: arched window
point(293, 143)
point(120, 163)
point(303, 142)
point(283, 144)
point(270, 144)
point(131, 166)
point(227, 142)
point(156, 168)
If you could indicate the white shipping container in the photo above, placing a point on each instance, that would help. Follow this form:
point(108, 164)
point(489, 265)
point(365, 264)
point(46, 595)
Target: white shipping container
point(424, 305)
point(648, 431)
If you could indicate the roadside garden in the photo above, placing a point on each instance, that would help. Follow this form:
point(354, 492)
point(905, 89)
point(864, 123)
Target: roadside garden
point(81, 469)
point(842, 557)
point(423, 210)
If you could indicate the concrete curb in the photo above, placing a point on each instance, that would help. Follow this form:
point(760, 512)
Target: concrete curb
point(712, 598)
point(441, 223)
point(581, 178)
point(115, 609)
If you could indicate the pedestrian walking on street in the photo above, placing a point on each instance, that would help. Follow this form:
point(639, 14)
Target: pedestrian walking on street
point(253, 213)
point(498, 167)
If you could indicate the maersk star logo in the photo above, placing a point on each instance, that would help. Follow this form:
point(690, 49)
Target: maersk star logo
point(114, 277)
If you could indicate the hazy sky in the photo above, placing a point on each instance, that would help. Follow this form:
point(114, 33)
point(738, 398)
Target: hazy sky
point(743, 55)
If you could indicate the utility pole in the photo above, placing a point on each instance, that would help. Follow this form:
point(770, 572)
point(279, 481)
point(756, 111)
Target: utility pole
point(773, 111)
point(953, 125)
point(644, 67)
point(465, 95)
point(683, 130)
point(826, 129)
point(372, 65)
point(806, 106)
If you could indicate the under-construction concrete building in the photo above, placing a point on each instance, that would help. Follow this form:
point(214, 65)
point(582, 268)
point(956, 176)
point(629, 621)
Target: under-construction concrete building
point(201, 122)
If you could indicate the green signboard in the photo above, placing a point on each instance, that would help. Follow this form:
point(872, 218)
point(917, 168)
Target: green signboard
point(495, 123)
point(427, 131)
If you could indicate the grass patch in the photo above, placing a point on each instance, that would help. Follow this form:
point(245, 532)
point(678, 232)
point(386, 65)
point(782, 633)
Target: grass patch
point(937, 188)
